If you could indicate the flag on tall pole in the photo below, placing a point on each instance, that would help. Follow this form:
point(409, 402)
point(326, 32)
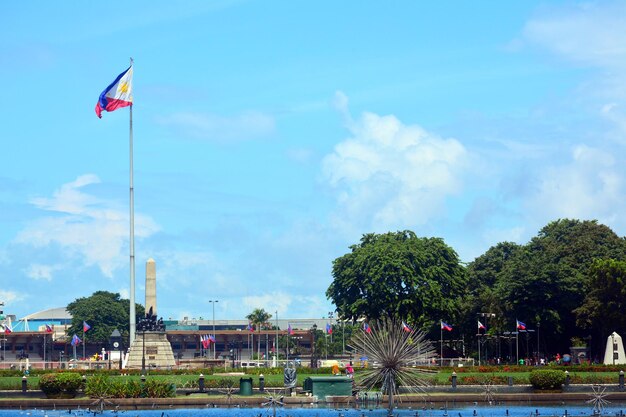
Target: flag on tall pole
point(48, 328)
point(366, 328)
point(520, 325)
point(7, 329)
point(119, 94)
point(481, 326)
point(290, 331)
point(445, 326)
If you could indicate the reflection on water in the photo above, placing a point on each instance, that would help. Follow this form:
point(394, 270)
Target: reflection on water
point(613, 410)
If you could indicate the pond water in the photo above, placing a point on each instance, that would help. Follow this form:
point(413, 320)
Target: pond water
point(612, 410)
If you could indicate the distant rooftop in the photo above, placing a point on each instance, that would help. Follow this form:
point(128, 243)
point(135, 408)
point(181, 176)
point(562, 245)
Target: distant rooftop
point(59, 313)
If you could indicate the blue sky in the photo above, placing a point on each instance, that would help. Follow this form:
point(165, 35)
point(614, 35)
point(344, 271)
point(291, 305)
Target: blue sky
point(269, 136)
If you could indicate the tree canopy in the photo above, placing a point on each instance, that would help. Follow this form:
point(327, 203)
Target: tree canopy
point(104, 312)
point(398, 275)
point(544, 281)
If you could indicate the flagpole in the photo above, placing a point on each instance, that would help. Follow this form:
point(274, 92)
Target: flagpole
point(84, 340)
point(478, 337)
point(516, 344)
point(132, 232)
point(440, 344)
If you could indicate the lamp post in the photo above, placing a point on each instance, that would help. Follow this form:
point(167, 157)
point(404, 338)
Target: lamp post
point(214, 343)
point(143, 347)
point(313, 360)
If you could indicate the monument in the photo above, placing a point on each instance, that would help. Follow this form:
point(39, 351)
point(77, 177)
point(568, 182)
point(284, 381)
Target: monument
point(614, 353)
point(150, 349)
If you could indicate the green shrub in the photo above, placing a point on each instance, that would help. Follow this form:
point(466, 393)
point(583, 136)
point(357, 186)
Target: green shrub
point(101, 386)
point(60, 384)
point(547, 379)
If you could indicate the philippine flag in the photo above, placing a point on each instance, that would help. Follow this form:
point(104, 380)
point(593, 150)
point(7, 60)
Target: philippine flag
point(445, 326)
point(250, 328)
point(406, 327)
point(118, 94)
point(520, 325)
point(290, 331)
point(48, 328)
point(329, 328)
point(366, 328)
point(7, 329)
point(86, 327)
point(481, 326)
point(76, 340)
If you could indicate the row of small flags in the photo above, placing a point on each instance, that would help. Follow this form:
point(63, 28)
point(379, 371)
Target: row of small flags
point(206, 340)
point(290, 331)
point(444, 326)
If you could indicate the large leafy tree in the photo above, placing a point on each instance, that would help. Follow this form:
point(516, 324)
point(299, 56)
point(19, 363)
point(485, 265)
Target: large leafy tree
point(398, 275)
point(104, 311)
point(602, 311)
point(545, 280)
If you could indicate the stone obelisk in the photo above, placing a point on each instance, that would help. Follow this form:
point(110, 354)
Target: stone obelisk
point(151, 300)
point(151, 349)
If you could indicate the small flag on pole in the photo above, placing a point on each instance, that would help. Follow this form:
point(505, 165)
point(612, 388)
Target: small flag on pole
point(118, 94)
point(48, 328)
point(290, 331)
point(250, 328)
point(86, 327)
point(445, 326)
point(366, 328)
point(329, 328)
point(481, 326)
point(7, 329)
point(76, 340)
point(520, 325)
point(406, 327)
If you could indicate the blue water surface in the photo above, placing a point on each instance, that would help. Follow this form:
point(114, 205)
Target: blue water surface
point(612, 410)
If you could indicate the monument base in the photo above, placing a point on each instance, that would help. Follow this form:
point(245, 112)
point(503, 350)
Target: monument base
point(154, 347)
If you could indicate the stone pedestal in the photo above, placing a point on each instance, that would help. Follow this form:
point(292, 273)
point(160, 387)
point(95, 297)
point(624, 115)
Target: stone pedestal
point(158, 351)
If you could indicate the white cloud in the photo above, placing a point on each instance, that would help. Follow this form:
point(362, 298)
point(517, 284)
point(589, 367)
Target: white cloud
point(589, 187)
point(388, 174)
point(249, 125)
point(39, 271)
point(592, 35)
point(84, 227)
point(588, 33)
point(9, 297)
point(271, 302)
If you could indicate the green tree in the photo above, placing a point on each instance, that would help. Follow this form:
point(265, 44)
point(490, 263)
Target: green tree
point(104, 311)
point(259, 317)
point(601, 312)
point(545, 280)
point(398, 275)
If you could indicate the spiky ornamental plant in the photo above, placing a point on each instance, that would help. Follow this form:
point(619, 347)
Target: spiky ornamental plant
point(393, 350)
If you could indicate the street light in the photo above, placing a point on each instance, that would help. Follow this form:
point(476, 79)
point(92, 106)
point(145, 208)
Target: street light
point(214, 343)
point(313, 331)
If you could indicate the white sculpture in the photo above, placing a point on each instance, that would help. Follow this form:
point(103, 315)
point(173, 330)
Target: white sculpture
point(614, 353)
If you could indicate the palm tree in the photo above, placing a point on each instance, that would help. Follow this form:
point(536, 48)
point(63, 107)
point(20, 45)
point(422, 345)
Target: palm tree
point(393, 349)
point(259, 317)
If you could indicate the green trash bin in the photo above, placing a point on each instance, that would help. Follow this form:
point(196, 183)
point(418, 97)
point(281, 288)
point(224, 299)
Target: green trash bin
point(245, 386)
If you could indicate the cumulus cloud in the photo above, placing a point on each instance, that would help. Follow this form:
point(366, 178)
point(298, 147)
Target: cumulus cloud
point(588, 187)
point(388, 174)
point(85, 227)
point(249, 125)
